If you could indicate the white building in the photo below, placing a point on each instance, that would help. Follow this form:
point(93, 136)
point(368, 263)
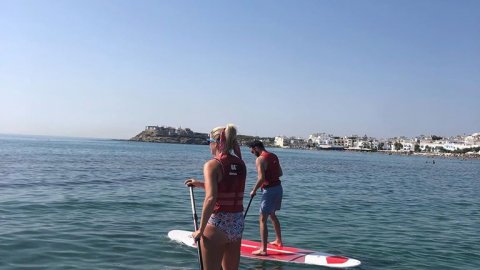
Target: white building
point(451, 146)
point(320, 138)
point(281, 141)
point(473, 140)
point(408, 146)
point(432, 146)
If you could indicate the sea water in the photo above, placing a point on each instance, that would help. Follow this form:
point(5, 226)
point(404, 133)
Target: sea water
point(102, 204)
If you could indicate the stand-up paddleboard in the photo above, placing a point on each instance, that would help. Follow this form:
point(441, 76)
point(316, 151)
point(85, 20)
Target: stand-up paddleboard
point(275, 253)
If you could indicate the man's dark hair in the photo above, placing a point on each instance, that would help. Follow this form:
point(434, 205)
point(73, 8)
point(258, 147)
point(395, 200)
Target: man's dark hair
point(256, 143)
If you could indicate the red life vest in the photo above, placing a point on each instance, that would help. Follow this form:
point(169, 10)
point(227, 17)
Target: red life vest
point(272, 173)
point(231, 188)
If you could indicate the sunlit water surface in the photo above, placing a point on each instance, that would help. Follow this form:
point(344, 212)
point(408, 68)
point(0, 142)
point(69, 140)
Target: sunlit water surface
point(101, 204)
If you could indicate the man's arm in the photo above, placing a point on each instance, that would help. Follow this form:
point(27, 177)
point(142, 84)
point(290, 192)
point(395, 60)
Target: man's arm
point(260, 165)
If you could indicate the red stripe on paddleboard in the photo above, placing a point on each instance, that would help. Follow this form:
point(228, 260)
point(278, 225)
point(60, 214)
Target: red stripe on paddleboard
point(273, 247)
point(286, 254)
point(336, 259)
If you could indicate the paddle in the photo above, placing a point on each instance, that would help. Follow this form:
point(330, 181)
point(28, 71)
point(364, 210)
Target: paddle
point(195, 224)
point(251, 198)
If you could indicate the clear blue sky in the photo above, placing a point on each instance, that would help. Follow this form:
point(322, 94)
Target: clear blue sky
point(107, 69)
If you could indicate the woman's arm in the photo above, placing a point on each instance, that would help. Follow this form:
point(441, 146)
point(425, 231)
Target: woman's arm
point(211, 175)
point(191, 182)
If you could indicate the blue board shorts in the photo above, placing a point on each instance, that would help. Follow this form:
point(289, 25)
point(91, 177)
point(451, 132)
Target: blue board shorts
point(271, 199)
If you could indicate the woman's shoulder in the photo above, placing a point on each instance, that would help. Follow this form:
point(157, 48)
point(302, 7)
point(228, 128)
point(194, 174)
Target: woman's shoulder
point(212, 163)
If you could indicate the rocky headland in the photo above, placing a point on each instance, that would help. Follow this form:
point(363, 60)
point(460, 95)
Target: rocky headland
point(171, 136)
point(187, 136)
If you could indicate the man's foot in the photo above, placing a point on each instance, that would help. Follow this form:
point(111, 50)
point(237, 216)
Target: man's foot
point(276, 243)
point(259, 252)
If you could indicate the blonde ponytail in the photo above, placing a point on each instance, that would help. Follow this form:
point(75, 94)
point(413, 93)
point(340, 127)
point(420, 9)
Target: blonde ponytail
point(230, 137)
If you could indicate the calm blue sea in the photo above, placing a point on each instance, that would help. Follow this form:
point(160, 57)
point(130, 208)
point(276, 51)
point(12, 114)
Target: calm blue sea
point(102, 204)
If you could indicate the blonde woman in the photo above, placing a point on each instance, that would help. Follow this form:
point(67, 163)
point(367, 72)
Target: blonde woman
point(221, 224)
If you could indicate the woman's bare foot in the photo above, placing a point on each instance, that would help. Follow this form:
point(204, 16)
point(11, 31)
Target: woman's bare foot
point(276, 243)
point(260, 252)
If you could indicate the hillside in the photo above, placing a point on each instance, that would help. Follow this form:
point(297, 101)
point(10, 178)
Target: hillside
point(187, 136)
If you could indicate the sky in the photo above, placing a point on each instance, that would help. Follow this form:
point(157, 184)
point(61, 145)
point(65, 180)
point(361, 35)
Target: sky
point(108, 68)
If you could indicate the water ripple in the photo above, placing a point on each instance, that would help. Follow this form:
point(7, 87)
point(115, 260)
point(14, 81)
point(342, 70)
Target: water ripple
point(93, 204)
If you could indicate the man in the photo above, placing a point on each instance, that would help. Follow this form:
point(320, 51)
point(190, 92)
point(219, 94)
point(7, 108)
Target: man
point(269, 173)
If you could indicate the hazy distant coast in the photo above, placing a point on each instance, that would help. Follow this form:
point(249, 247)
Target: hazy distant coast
point(433, 154)
point(467, 147)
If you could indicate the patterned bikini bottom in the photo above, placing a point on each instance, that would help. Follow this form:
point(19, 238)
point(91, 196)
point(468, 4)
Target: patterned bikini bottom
point(229, 223)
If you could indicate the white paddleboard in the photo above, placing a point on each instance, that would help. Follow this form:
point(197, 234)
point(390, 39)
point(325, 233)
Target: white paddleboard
point(275, 253)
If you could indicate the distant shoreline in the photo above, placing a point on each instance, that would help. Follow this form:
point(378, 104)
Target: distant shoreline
point(385, 152)
point(419, 154)
point(433, 155)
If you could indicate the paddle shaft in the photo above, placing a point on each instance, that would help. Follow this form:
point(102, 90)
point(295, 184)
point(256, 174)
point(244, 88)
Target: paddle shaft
point(245, 215)
point(195, 224)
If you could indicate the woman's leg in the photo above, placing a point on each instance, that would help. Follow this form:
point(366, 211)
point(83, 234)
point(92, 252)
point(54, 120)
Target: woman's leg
point(231, 257)
point(213, 246)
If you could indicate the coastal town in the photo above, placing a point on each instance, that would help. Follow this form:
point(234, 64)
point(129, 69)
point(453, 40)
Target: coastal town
point(465, 146)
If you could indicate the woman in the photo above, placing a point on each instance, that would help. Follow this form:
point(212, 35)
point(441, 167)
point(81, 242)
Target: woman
point(221, 224)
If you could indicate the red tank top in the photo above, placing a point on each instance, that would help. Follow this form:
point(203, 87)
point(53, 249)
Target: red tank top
point(231, 188)
point(272, 173)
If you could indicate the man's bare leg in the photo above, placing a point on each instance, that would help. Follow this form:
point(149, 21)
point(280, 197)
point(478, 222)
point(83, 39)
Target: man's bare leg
point(263, 235)
point(278, 231)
